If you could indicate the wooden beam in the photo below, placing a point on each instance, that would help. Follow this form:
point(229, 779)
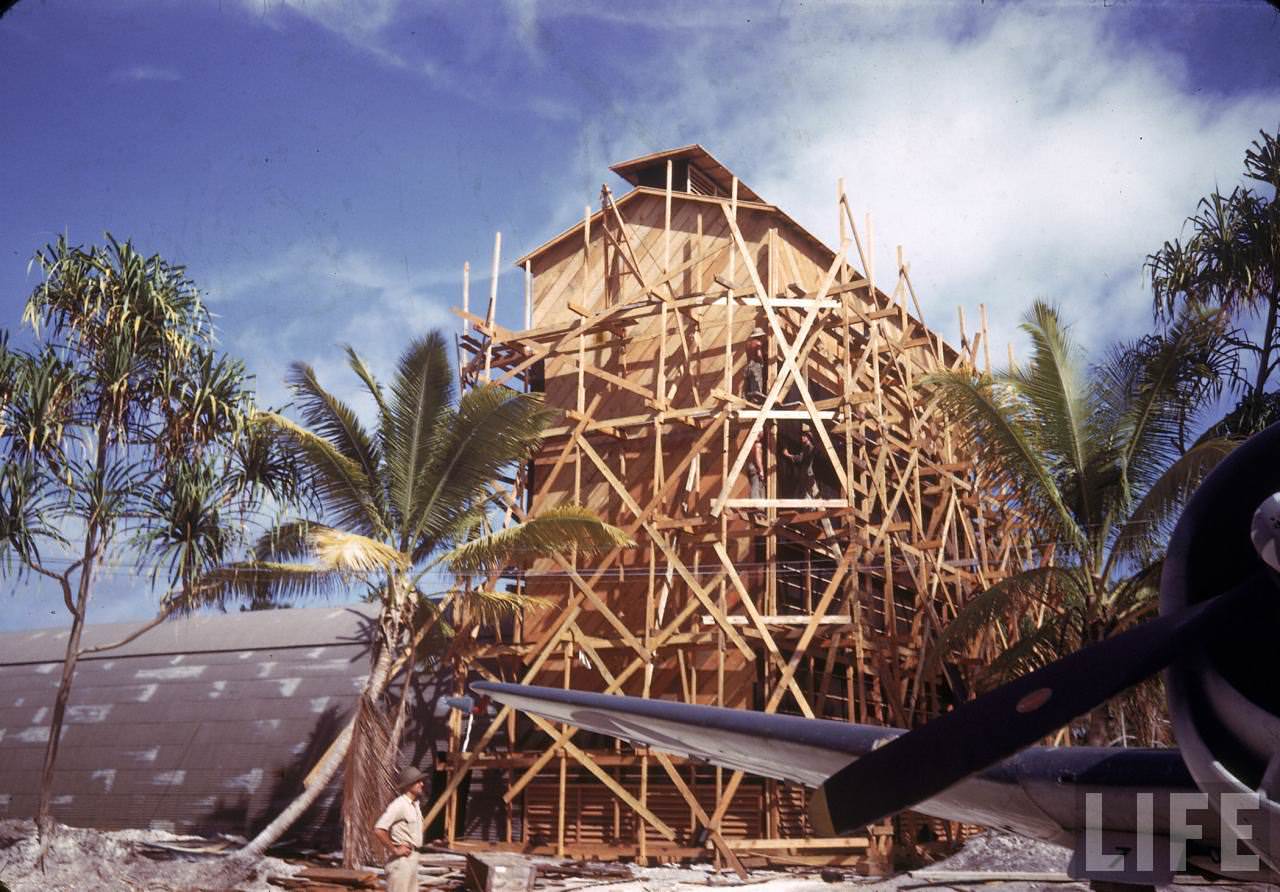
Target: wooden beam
point(789, 350)
point(783, 377)
point(721, 844)
point(672, 557)
point(570, 614)
point(796, 845)
point(745, 599)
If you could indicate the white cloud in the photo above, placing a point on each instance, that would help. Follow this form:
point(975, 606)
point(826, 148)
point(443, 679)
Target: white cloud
point(355, 20)
point(524, 19)
point(1014, 153)
point(390, 32)
point(362, 23)
point(145, 73)
point(320, 296)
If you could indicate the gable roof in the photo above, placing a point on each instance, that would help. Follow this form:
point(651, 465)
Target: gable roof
point(647, 174)
point(823, 250)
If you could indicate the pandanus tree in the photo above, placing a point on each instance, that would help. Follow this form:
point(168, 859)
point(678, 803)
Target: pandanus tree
point(1098, 461)
point(1231, 261)
point(402, 506)
point(123, 434)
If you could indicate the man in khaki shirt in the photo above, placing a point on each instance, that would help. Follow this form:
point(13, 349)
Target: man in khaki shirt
point(400, 830)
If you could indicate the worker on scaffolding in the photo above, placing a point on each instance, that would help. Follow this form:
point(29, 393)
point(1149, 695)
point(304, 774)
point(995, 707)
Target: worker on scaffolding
point(753, 391)
point(801, 459)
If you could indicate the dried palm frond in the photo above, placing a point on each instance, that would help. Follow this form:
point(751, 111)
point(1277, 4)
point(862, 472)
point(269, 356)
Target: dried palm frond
point(368, 785)
point(489, 608)
point(352, 553)
point(551, 531)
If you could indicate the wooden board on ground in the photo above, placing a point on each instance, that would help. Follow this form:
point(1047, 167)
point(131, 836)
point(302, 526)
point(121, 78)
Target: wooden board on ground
point(321, 878)
point(499, 872)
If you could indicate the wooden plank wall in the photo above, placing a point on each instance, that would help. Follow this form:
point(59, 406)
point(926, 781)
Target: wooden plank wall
point(637, 323)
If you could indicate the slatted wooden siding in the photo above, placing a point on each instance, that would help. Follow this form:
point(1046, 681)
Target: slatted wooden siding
point(638, 318)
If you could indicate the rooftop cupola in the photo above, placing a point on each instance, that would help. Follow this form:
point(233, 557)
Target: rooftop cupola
point(693, 169)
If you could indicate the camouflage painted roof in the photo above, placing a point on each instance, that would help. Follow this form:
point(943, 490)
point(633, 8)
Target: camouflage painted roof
point(205, 724)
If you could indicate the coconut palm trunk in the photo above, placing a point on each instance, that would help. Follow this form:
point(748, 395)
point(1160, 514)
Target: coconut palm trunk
point(325, 770)
point(320, 777)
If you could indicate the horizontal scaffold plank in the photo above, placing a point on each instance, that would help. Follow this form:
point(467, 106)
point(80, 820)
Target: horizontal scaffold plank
point(831, 842)
point(785, 503)
point(785, 414)
point(791, 620)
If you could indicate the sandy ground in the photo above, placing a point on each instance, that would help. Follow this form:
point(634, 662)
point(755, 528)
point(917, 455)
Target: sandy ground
point(997, 853)
point(92, 859)
point(128, 860)
point(988, 852)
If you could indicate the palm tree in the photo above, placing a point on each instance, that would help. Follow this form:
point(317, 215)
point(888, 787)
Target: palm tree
point(1097, 461)
point(1230, 261)
point(122, 431)
point(400, 505)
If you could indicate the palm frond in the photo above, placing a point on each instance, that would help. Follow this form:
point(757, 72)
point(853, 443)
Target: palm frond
point(1117, 382)
point(467, 525)
point(494, 427)
point(1252, 414)
point(331, 418)
point(246, 580)
point(205, 400)
point(1229, 259)
point(27, 516)
point(40, 406)
point(556, 529)
point(1136, 596)
point(1037, 585)
point(339, 481)
point(1146, 530)
point(1262, 160)
point(285, 542)
point(489, 608)
point(1034, 648)
point(430, 623)
point(371, 384)
point(1172, 271)
point(1058, 398)
point(418, 423)
point(262, 464)
point(368, 781)
point(185, 523)
point(997, 430)
point(1152, 389)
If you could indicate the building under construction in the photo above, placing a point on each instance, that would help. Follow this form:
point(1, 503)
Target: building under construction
point(803, 527)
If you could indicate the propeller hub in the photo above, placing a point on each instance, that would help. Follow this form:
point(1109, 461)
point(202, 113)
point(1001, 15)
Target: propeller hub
point(1265, 531)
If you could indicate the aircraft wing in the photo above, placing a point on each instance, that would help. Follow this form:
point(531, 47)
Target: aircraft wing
point(1037, 793)
point(782, 747)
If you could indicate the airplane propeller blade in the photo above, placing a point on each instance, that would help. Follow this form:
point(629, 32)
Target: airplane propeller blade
point(918, 765)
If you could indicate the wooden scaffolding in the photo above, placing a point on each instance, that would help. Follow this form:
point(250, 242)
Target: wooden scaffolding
point(819, 596)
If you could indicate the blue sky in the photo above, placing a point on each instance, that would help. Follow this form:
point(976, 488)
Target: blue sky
point(324, 168)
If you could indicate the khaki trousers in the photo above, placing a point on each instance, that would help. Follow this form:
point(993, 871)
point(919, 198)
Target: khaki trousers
point(402, 874)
